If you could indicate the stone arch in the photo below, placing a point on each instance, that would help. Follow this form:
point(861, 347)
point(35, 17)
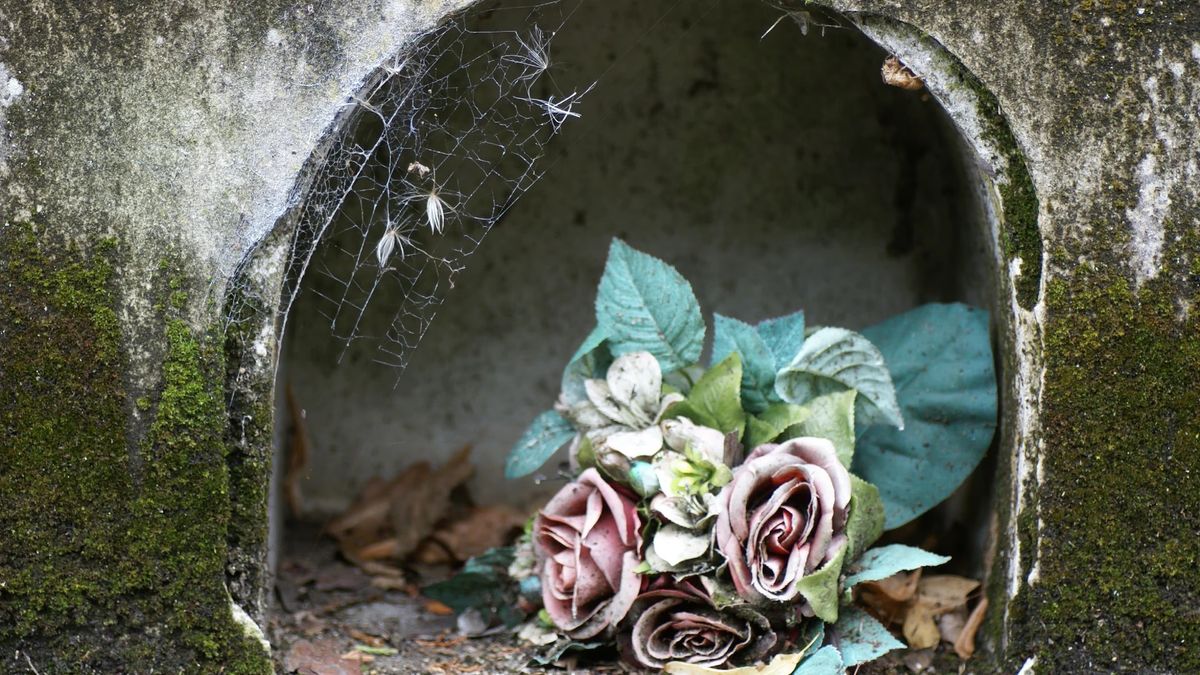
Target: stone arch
point(993, 164)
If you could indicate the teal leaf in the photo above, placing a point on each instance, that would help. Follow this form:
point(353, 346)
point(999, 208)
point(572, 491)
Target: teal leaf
point(715, 401)
point(865, 522)
point(772, 422)
point(826, 661)
point(548, 432)
point(884, 561)
point(644, 304)
point(833, 360)
point(783, 337)
point(758, 365)
point(831, 416)
point(940, 357)
point(820, 588)
point(591, 360)
point(861, 638)
point(483, 583)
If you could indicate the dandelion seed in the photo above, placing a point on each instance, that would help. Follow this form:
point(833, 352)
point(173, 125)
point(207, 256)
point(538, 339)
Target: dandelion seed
point(534, 56)
point(390, 241)
point(435, 212)
point(561, 110)
point(435, 206)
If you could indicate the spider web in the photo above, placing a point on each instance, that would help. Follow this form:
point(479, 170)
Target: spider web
point(437, 152)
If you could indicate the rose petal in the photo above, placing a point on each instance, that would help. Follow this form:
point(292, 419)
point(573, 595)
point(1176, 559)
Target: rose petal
point(821, 452)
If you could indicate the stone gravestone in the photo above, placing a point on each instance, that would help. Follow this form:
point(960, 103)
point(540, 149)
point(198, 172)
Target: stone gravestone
point(156, 165)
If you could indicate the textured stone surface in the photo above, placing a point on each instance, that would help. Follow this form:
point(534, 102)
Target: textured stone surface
point(181, 134)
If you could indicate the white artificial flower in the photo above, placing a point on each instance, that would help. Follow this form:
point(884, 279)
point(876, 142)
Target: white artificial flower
point(622, 411)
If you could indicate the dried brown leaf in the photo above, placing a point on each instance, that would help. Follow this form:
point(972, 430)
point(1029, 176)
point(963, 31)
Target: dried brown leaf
point(950, 624)
point(483, 528)
point(920, 631)
point(414, 512)
point(357, 656)
point(367, 638)
point(964, 646)
point(942, 593)
point(438, 608)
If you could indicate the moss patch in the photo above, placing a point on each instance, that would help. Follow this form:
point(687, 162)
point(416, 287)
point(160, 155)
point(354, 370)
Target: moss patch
point(113, 547)
point(1120, 549)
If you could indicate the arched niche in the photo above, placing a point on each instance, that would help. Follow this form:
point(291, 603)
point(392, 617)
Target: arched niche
point(775, 171)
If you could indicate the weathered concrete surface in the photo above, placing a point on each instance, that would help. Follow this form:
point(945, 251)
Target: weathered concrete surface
point(181, 134)
point(1096, 568)
point(176, 133)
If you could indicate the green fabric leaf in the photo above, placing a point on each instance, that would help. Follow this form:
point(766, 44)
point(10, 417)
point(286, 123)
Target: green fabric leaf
point(862, 638)
point(563, 645)
point(783, 337)
point(591, 360)
point(758, 365)
point(831, 416)
point(483, 583)
point(865, 523)
point(826, 661)
point(716, 399)
point(820, 588)
point(940, 357)
point(548, 432)
point(884, 561)
point(777, 418)
point(833, 360)
point(644, 304)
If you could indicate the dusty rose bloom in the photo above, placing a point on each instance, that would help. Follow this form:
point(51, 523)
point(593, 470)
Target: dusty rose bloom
point(681, 624)
point(783, 516)
point(588, 535)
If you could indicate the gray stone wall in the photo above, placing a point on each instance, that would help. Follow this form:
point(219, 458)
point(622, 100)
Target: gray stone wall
point(145, 152)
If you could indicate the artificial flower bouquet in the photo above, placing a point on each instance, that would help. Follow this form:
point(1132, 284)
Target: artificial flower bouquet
point(720, 518)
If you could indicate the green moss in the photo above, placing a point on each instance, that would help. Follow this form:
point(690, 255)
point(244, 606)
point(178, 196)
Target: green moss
point(113, 543)
point(251, 443)
point(1119, 558)
point(1020, 236)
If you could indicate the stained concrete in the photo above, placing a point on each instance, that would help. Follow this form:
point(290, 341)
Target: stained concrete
point(184, 134)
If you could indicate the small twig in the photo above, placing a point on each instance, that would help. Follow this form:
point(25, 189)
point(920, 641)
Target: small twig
point(30, 662)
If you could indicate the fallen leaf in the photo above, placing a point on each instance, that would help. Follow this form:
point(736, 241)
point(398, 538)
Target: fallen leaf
point(964, 646)
point(438, 608)
point(414, 513)
point(389, 520)
point(920, 631)
point(390, 583)
point(951, 623)
point(367, 638)
point(482, 528)
point(944, 592)
point(318, 658)
point(889, 597)
point(357, 656)
point(376, 651)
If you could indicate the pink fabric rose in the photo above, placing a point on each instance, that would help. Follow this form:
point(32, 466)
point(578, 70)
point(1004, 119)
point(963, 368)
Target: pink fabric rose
point(588, 535)
point(678, 622)
point(783, 516)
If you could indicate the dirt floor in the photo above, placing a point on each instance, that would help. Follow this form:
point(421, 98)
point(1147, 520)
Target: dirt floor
point(331, 618)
